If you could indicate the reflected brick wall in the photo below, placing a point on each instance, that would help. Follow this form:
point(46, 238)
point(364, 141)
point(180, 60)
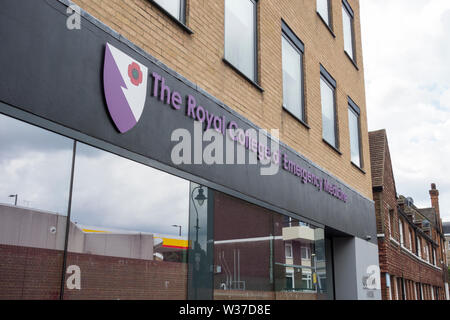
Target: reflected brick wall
point(32, 273)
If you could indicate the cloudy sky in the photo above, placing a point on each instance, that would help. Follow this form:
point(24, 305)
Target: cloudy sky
point(406, 47)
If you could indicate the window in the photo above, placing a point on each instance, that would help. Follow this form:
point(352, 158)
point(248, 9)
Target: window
point(427, 253)
point(347, 16)
point(175, 7)
point(323, 9)
point(240, 36)
point(258, 253)
point(327, 94)
point(292, 60)
point(410, 239)
point(391, 223)
point(35, 170)
point(419, 247)
point(288, 250)
point(290, 284)
point(306, 253)
point(355, 132)
point(434, 257)
point(400, 230)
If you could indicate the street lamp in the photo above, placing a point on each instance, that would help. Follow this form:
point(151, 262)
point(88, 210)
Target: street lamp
point(200, 198)
point(177, 226)
point(14, 196)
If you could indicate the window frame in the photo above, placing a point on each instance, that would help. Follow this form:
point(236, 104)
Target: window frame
point(299, 46)
point(353, 107)
point(181, 21)
point(330, 16)
point(291, 250)
point(346, 6)
point(308, 252)
point(329, 80)
point(401, 233)
point(254, 81)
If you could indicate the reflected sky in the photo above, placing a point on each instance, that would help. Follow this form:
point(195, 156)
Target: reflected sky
point(113, 192)
point(35, 164)
point(109, 191)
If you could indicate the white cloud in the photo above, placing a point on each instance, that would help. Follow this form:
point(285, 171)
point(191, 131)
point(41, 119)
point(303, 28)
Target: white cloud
point(406, 50)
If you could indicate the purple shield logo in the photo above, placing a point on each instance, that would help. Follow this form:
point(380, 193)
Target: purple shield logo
point(125, 86)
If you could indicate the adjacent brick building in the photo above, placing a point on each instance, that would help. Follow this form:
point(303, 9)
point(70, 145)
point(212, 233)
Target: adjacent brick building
point(410, 239)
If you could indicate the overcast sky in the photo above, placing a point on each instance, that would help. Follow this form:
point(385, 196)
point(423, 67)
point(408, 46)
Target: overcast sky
point(406, 47)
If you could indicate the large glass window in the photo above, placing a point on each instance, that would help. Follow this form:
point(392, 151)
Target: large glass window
point(128, 230)
point(327, 94)
point(400, 230)
point(35, 170)
point(354, 131)
point(323, 8)
point(347, 16)
point(240, 36)
point(174, 7)
point(259, 254)
point(292, 61)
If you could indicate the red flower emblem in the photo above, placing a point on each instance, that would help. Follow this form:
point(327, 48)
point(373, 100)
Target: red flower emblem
point(135, 74)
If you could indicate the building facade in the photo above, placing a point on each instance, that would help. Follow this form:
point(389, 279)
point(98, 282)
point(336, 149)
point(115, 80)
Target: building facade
point(410, 239)
point(446, 227)
point(185, 149)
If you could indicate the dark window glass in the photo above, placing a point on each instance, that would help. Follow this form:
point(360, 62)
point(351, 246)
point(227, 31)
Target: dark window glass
point(128, 230)
point(35, 170)
point(328, 112)
point(259, 254)
point(240, 36)
point(347, 17)
point(292, 78)
point(354, 130)
point(323, 8)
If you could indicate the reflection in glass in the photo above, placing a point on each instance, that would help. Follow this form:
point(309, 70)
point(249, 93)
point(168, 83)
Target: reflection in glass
point(353, 124)
point(243, 242)
point(240, 35)
point(171, 6)
point(35, 167)
point(301, 274)
point(323, 10)
point(348, 31)
point(328, 113)
point(200, 242)
point(121, 233)
point(259, 254)
point(292, 79)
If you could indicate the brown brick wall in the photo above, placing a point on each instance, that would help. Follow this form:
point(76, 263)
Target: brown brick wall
point(198, 57)
point(31, 273)
point(393, 259)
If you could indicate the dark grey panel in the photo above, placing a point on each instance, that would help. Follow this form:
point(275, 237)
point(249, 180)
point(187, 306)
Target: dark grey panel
point(56, 74)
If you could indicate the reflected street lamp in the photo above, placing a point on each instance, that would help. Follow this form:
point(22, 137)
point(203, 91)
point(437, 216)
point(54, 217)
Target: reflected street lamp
point(200, 198)
point(14, 196)
point(177, 226)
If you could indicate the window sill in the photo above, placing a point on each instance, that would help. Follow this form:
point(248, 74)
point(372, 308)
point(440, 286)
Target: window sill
point(296, 118)
point(257, 86)
point(326, 25)
point(394, 241)
point(332, 147)
point(352, 61)
point(358, 167)
point(167, 13)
